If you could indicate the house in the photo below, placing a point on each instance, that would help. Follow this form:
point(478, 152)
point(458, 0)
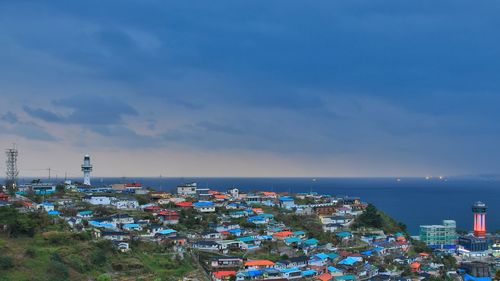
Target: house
point(4, 197)
point(46, 206)
point(287, 203)
point(295, 262)
point(85, 214)
point(125, 203)
point(154, 228)
point(169, 217)
point(258, 264)
point(206, 245)
point(223, 275)
point(122, 246)
point(281, 235)
point(168, 233)
point(98, 200)
point(114, 235)
point(332, 227)
point(211, 235)
point(225, 263)
point(132, 227)
point(188, 189)
point(53, 213)
point(204, 206)
point(291, 273)
point(121, 218)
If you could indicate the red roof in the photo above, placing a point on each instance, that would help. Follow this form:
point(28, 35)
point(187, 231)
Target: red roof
point(152, 208)
point(220, 274)
point(184, 204)
point(324, 277)
point(283, 233)
point(259, 263)
point(135, 184)
point(168, 213)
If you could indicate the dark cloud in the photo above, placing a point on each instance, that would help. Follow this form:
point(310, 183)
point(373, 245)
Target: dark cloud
point(43, 114)
point(85, 110)
point(9, 117)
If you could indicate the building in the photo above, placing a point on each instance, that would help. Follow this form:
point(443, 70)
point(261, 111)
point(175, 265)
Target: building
point(204, 206)
point(38, 188)
point(442, 236)
point(188, 189)
point(476, 271)
point(476, 245)
point(98, 200)
point(479, 210)
point(86, 169)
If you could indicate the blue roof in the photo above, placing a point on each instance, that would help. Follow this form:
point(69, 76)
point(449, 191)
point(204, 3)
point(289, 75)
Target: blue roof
point(345, 277)
point(286, 199)
point(322, 256)
point(203, 204)
point(332, 255)
point(309, 272)
point(367, 253)
point(100, 224)
point(288, 270)
point(235, 231)
point(350, 260)
point(344, 234)
point(47, 204)
point(167, 231)
point(131, 225)
point(53, 213)
point(299, 232)
point(292, 240)
point(311, 241)
point(253, 273)
point(246, 239)
point(333, 269)
point(84, 213)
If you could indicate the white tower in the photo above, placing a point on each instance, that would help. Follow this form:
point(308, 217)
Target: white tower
point(86, 169)
point(11, 167)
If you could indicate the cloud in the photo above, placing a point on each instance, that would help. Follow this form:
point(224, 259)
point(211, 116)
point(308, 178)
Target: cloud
point(29, 131)
point(42, 114)
point(85, 110)
point(9, 117)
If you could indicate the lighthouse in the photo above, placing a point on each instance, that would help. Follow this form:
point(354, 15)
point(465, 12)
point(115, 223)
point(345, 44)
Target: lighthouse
point(86, 169)
point(479, 210)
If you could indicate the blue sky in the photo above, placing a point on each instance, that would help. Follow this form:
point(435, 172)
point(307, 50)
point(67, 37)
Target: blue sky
point(252, 88)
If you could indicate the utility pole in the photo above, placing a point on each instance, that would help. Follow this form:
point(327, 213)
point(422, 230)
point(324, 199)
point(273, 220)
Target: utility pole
point(11, 167)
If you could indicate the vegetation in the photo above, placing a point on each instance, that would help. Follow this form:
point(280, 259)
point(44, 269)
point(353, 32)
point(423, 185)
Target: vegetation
point(374, 218)
point(37, 248)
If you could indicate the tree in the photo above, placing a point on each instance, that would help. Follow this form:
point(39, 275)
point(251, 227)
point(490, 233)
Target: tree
point(369, 218)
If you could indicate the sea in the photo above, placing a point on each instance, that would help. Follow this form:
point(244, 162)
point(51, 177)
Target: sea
point(412, 201)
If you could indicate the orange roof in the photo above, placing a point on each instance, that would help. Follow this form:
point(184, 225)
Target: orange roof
point(255, 210)
point(213, 192)
point(269, 193)
point(415, 265)
point(324, 277)
point(259, 263)
point(283, 233)
point(424, 254)
point(220, 274)
point(401, 238)
point(220, 196)
point(184, 204)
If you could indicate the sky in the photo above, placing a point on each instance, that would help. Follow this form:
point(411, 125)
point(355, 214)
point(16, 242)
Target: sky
point(251, 88)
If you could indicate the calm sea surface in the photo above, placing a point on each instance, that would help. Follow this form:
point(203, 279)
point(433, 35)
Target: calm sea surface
point(411, 201)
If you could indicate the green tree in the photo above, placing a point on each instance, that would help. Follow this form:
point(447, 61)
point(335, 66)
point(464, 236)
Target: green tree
point(369, 218)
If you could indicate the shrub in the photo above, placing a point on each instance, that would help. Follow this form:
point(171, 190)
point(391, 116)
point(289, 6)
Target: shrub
point(6, 263)
point(77, 263)
point(104, 277)
point(57, 270)
point(30, 252)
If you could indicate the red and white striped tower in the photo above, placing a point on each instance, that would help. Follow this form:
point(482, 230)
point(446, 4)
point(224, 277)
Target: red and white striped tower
point(479, 210)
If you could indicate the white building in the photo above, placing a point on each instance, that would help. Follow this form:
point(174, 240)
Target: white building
point(99, 200)
point(125, 203)
point(188, 189)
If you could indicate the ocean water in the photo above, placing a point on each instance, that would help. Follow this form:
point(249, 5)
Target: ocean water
point(413, 201)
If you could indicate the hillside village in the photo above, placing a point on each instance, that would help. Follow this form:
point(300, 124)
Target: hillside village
point(235, 235)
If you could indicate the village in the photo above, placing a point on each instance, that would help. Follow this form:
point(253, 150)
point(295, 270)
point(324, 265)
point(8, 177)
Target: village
point(236, 235)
